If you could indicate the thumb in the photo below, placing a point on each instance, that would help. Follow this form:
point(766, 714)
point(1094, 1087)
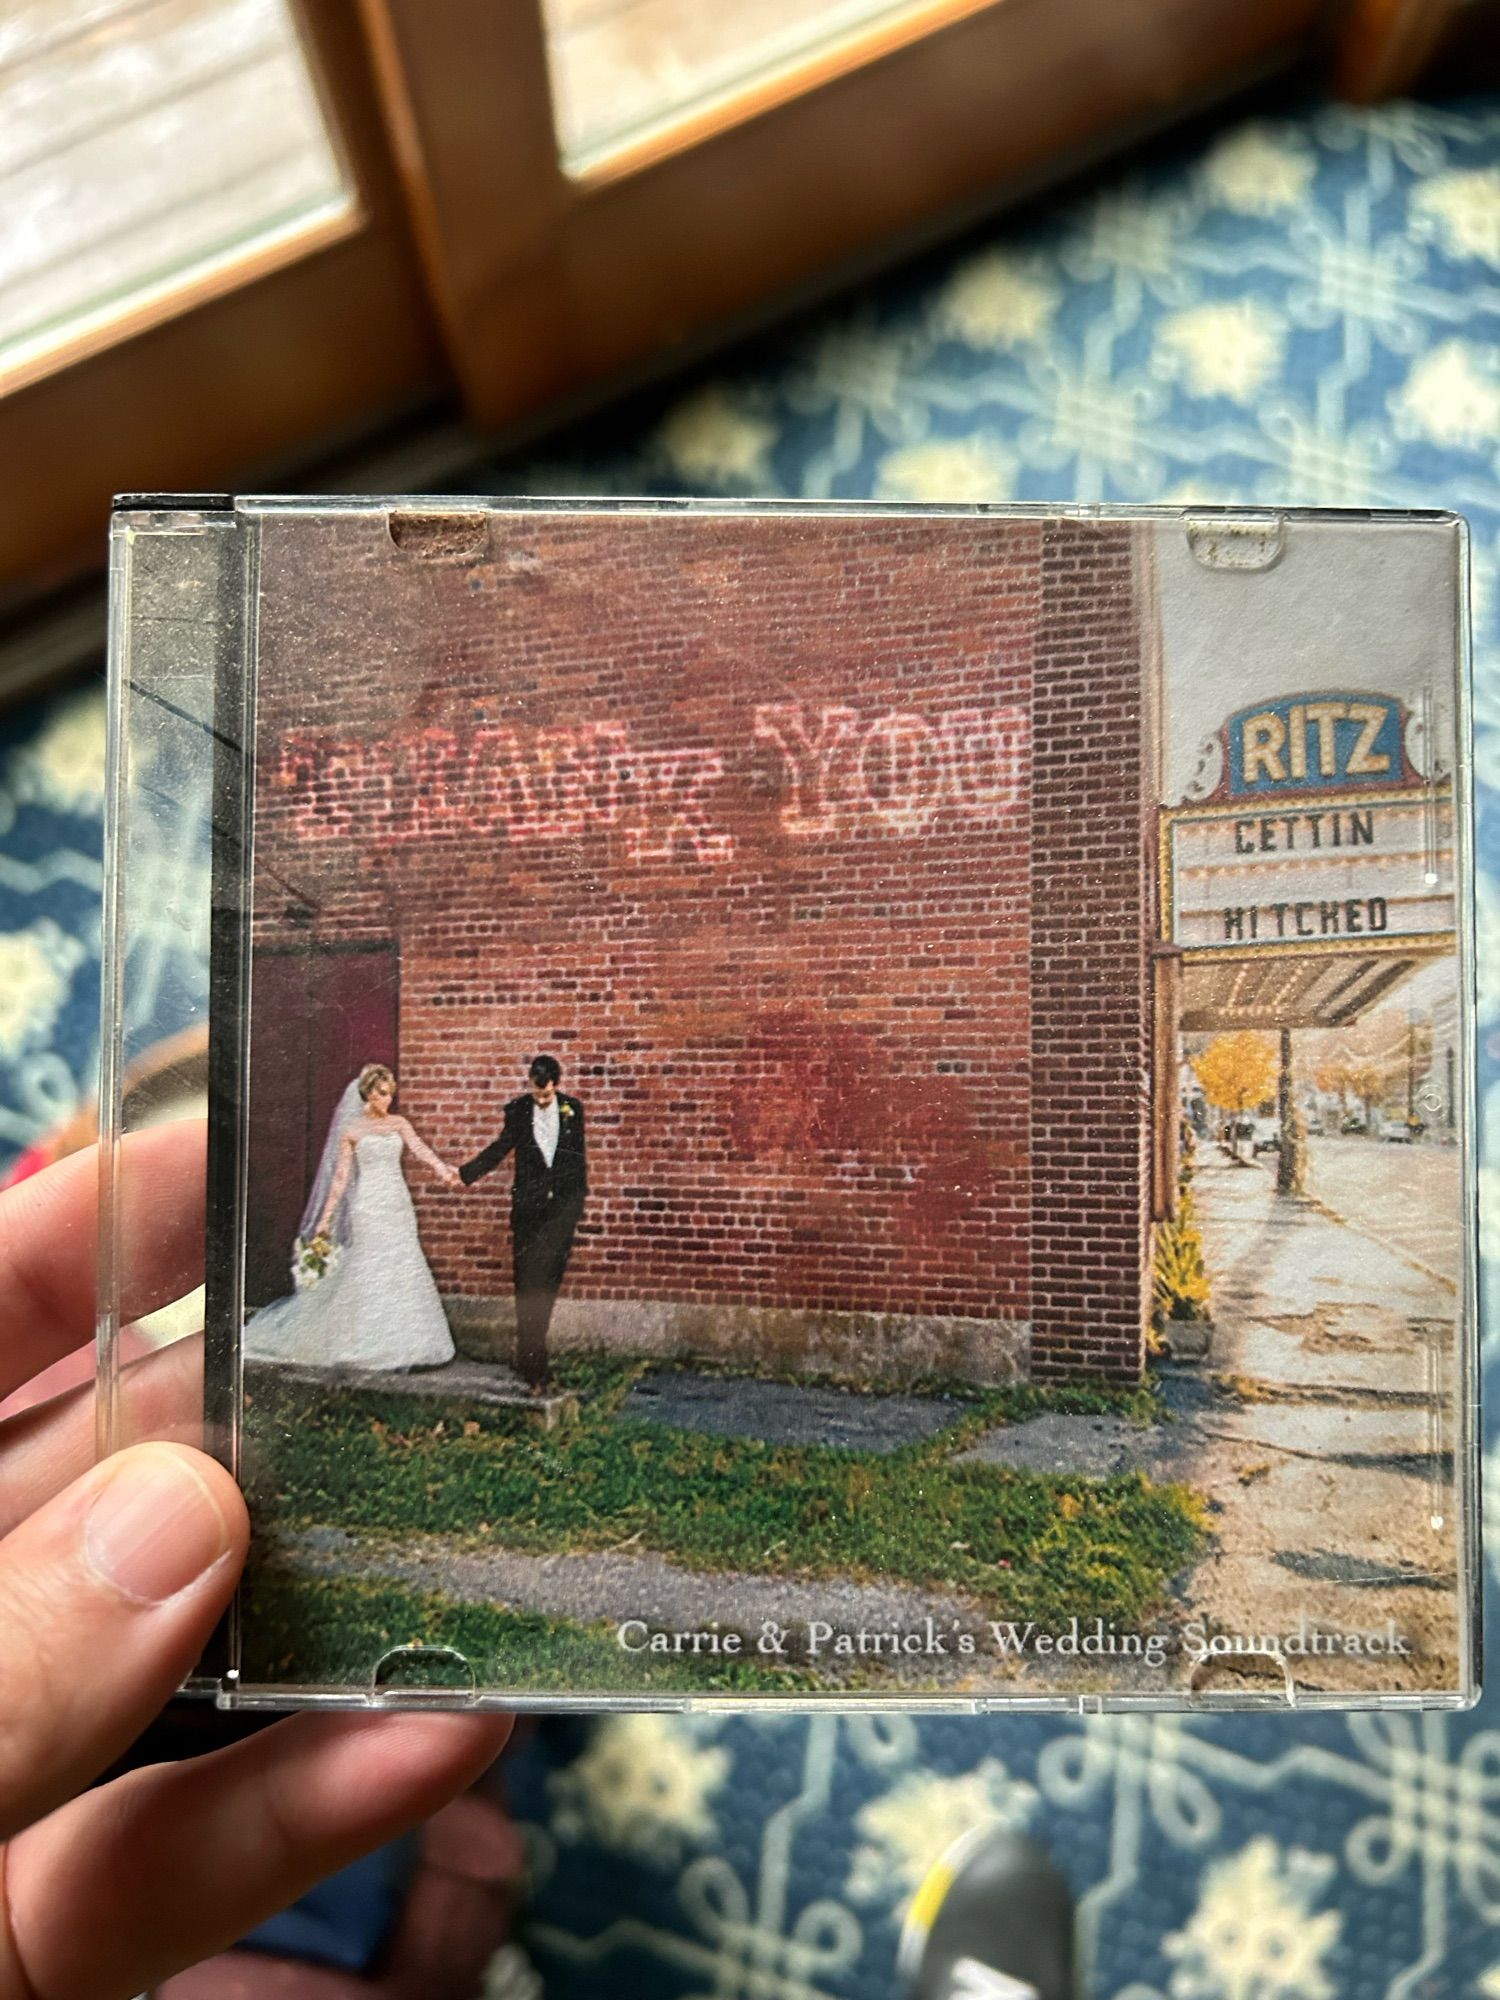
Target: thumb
point(107, 1595)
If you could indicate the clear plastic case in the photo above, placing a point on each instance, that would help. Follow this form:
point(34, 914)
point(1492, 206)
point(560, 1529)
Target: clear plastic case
point(808, 1103)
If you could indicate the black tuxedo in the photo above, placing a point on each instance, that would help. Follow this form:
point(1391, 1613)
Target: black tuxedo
point(545, 1205)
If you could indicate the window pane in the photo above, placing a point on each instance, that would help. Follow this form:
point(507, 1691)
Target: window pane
point(623, 67)
point(141, 143)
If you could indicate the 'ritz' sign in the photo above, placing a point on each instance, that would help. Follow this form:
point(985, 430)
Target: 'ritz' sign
point(1321, 835)
point(1315, 743)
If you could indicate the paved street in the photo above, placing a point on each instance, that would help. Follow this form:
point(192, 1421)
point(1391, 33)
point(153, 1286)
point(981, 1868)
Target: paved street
point(1405, 1196)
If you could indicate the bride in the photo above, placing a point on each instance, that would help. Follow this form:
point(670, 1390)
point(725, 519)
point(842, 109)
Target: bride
point(374, 1304)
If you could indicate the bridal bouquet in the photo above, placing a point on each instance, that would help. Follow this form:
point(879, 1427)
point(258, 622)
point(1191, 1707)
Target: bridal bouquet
point(313, 1260)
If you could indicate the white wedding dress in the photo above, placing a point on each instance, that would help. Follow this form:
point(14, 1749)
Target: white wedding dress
point(377, 1307)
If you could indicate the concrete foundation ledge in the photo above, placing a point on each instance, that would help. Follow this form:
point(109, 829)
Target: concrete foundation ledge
point(885, 1347)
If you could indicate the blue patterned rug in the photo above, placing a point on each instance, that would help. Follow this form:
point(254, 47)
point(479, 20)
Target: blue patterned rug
point(1302, 308)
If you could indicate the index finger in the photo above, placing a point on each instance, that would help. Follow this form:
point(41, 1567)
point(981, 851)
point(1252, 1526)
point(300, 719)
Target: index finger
point(49, 1229)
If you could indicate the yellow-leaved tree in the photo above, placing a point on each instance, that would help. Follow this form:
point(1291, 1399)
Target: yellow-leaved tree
point(1237, 1071)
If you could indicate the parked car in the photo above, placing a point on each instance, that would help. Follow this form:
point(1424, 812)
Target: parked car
point(1265, 1135)
point(1397, 1131)
point(1353, 1123)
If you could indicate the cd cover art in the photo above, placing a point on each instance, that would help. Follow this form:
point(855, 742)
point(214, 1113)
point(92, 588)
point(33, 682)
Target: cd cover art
point(843, 1103)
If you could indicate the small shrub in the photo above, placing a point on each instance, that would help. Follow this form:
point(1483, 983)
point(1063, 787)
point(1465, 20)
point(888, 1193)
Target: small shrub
point(1179, 1282)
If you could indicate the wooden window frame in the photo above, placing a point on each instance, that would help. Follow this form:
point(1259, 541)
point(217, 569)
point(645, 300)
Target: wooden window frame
point(569, 279)
point(233, 369)
point(474, 253)
point(1385, 45)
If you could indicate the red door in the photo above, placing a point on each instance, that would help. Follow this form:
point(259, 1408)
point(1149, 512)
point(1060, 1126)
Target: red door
point(318, 1015)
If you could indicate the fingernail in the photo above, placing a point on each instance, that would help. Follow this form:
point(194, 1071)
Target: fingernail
point(154, 1528)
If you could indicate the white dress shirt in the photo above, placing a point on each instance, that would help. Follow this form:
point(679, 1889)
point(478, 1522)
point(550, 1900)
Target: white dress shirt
point(546, 1122)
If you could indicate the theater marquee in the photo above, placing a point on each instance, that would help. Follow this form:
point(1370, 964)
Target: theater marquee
point(1315, 877)
point(1298, 850)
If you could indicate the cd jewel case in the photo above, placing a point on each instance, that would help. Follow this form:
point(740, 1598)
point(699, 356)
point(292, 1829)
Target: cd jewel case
point(813, 1103)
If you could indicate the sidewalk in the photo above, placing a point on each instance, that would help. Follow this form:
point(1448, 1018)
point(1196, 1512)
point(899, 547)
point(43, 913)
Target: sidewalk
point(1320, 1431)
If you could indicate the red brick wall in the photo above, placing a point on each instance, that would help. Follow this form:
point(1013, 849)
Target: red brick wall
point(730, 815)
point(1092, 872)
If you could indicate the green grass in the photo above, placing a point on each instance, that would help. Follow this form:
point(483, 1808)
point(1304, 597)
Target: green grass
point(1026, 1545)
point(317, 1632)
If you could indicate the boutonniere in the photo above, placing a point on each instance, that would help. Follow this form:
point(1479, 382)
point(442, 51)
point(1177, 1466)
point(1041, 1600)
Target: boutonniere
point(566, 1110)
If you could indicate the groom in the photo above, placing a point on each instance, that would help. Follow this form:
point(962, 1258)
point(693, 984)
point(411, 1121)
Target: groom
point(544, 1130)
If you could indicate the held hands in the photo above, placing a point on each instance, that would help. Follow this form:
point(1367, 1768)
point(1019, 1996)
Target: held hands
point(112, 1576)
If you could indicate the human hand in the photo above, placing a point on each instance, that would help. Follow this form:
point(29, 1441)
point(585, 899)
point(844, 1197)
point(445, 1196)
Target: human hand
point(452, 1177)
point(112, 1576)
